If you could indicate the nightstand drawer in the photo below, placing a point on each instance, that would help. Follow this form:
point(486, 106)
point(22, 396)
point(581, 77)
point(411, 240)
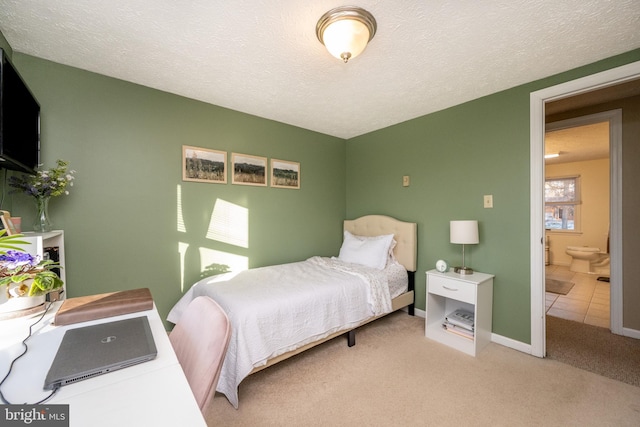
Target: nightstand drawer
point(449, 288)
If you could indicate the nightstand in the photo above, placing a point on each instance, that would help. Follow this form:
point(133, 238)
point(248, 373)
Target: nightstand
point(447, 292)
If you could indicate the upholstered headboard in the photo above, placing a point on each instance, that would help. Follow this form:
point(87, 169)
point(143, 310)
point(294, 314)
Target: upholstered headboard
point(405, 233)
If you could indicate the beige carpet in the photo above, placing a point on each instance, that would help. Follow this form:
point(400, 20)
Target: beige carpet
point(594, 349)
point(396, 376)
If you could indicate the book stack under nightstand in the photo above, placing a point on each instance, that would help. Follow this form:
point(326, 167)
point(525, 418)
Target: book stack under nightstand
point(460, 322)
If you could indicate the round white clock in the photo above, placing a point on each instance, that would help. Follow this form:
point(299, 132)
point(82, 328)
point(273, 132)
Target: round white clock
point(442, 266)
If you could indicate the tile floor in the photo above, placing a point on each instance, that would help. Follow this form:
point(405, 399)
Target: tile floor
point(587, 302)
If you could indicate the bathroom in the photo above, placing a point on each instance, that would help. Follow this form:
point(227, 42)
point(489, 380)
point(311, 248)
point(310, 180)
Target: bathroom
point(590, 217)
point(580, 229)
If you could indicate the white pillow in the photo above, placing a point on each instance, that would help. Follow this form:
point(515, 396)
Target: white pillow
point(369, 251)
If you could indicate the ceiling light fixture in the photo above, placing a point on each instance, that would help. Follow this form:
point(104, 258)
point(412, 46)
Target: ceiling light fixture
point(551, 156)
point(345, 31)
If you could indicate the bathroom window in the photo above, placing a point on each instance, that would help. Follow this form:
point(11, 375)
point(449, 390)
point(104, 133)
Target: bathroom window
point(562, 203)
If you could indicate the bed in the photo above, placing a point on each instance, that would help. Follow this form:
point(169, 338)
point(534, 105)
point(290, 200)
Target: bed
point(279, 311)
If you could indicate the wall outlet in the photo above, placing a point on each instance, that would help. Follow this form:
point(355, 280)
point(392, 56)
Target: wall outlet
point(405, 181)
point(488, 201)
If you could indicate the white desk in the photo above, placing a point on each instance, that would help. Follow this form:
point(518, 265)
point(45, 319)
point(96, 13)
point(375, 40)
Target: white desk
point(151, 393)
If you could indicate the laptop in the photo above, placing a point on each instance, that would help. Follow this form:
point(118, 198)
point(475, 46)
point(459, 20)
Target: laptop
point(94, 350)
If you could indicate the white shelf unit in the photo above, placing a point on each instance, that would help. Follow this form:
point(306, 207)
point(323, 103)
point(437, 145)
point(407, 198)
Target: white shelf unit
point(447, 292)
point(50, 243)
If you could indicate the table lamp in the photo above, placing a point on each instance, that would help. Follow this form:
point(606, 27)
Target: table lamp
point(464, 233)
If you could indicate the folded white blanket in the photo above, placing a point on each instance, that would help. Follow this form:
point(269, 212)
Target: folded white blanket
point(279, 308)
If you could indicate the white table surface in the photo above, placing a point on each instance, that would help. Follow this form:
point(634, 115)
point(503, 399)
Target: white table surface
point(151, 393)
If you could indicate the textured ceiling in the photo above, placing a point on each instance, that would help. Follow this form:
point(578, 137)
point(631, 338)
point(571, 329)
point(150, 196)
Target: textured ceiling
point(262, 57)
point(577, 144)
point(588, 142)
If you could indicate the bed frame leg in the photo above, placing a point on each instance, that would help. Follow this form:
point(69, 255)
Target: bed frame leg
point(412, 286)
point(351, 338)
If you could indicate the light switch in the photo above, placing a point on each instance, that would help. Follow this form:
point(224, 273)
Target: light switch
point(488, 201)
point(405, 181)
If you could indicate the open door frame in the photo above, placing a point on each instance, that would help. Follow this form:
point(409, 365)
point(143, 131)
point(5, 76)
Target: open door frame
point(537, 130)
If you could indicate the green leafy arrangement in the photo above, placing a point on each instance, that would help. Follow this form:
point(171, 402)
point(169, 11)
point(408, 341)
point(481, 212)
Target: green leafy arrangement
point(23, 274)
point(45, 183)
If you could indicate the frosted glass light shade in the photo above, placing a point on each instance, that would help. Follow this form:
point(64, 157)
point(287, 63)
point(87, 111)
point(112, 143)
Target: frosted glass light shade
point(346, 39)
point(463, 232)
point(345, 31)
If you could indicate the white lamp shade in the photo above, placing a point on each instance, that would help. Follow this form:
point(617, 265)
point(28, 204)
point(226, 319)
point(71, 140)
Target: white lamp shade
point(346, 36)
point(463, 232)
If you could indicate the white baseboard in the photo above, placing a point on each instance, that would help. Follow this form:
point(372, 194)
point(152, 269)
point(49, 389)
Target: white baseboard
point(524, 347)
point(498, 339)
point(560, 264)
point(511, 343)
point(633, 333)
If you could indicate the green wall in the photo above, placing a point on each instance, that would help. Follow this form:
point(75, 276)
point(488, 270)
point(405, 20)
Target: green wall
point(121, 218)
point(125, 141)
point(454, 157)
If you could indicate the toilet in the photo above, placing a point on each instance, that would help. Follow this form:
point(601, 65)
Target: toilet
point(585, 259)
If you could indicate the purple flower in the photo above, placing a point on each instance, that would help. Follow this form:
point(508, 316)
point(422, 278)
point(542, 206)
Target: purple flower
point(14, 259)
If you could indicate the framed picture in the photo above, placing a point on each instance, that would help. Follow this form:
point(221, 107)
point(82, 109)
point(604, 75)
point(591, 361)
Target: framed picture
point(204, 165)
point(249, 170)
point(285, 174)
point(7, 224)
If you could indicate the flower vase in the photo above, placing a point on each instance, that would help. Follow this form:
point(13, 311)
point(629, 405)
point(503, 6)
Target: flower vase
point(42, 222)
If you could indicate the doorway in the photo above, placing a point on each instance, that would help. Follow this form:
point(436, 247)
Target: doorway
point(577, 214)
point(537, 121)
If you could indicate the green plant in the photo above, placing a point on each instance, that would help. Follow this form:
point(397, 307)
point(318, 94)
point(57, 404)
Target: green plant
point(10, 242)
point(45, 183)
point(22, 273)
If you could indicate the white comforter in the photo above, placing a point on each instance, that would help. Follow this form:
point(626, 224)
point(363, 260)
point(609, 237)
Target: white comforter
point(279, 308)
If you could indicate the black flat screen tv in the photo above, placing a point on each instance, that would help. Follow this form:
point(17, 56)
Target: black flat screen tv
point(19, 121)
